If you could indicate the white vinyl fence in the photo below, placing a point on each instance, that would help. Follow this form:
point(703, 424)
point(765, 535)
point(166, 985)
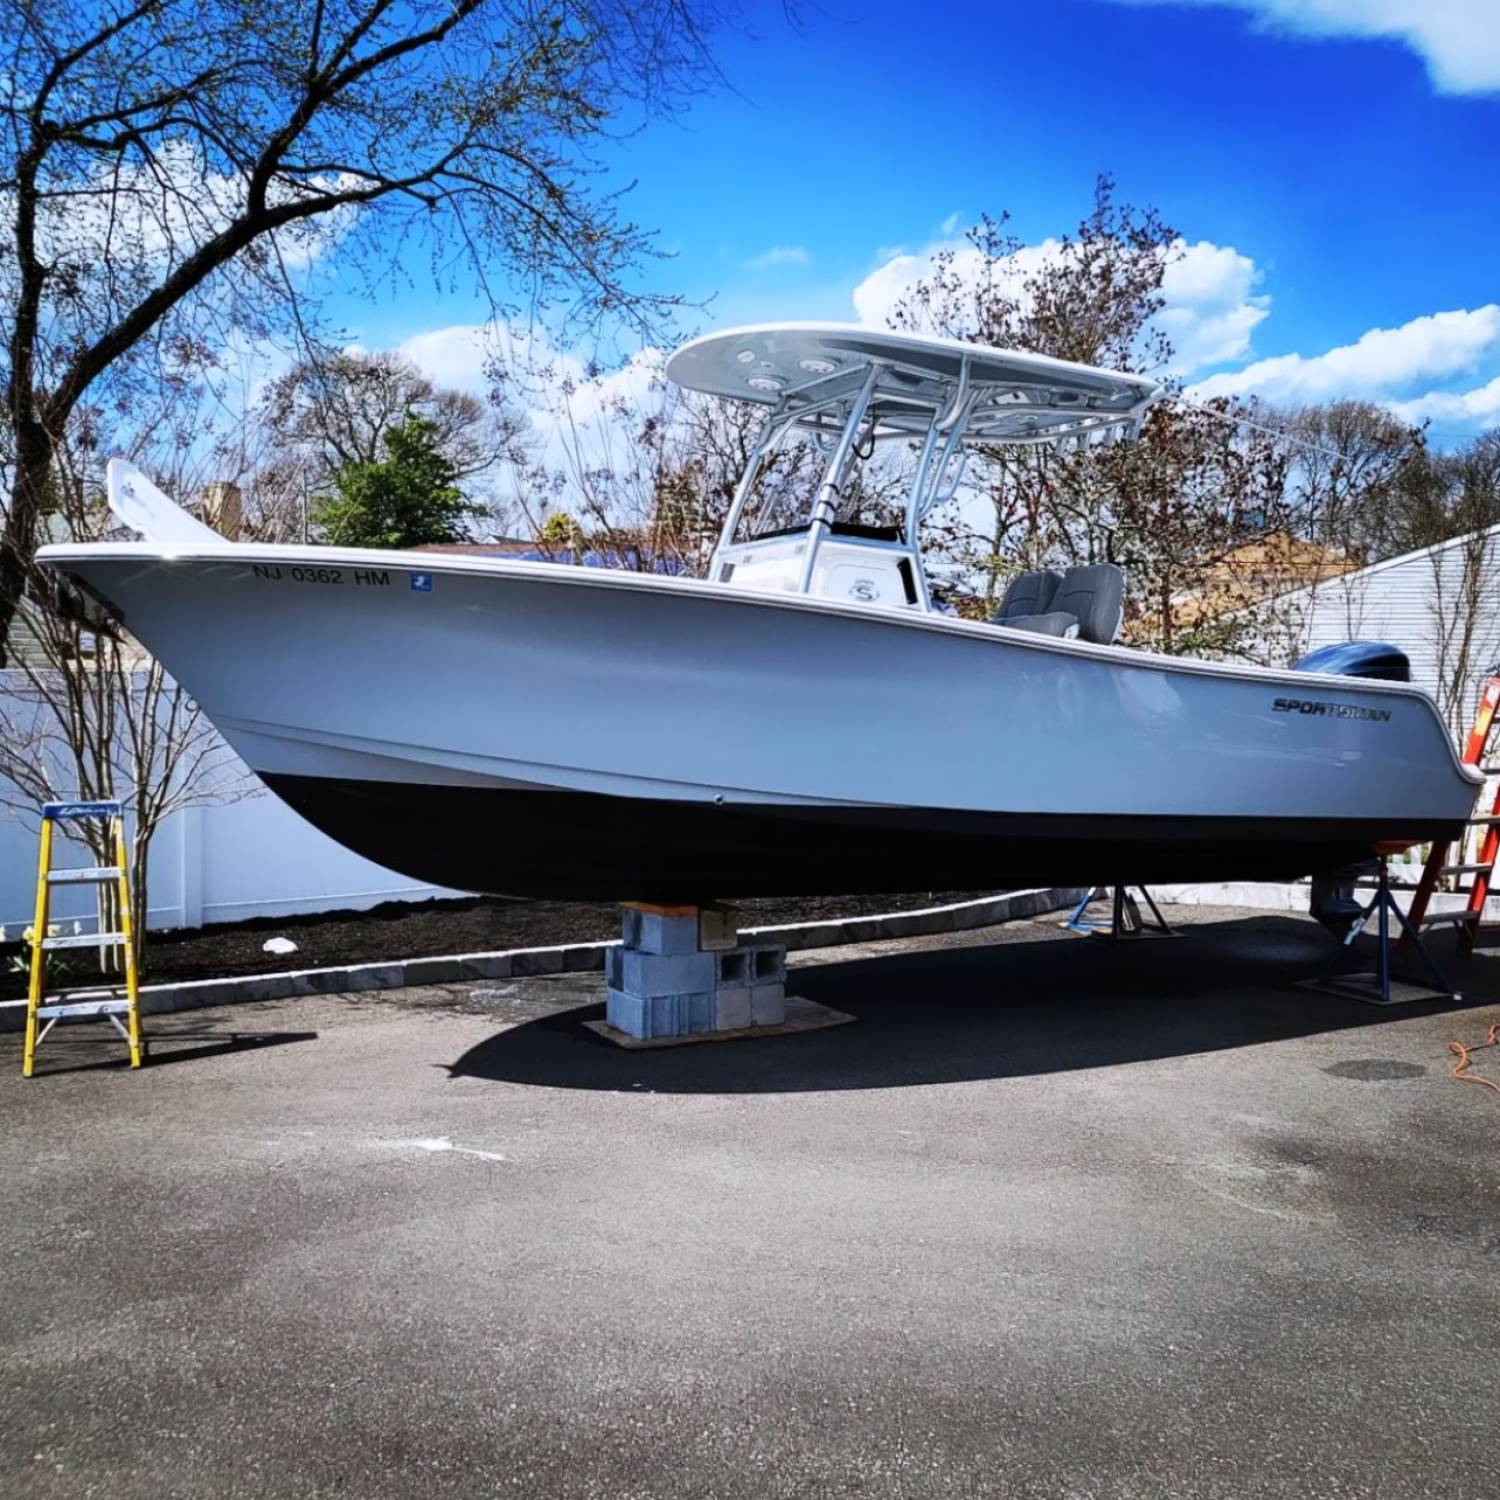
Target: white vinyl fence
point(226, 862)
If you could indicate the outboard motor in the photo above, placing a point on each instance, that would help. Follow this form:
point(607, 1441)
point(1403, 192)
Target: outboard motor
point(1333, 902)
point(1377, 660)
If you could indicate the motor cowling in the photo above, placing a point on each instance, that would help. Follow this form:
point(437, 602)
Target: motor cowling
point(1377, 660)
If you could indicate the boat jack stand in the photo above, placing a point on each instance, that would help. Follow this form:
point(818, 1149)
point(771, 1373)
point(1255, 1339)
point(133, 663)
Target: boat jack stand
point(1381, 987)
point(683, 973)
point(682, 970)
point(1126, 922)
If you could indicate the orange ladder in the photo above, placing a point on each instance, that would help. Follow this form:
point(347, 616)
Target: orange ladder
point(1482, 867)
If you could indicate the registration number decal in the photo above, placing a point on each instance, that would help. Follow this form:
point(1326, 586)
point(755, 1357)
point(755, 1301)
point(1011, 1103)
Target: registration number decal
point(369, 578)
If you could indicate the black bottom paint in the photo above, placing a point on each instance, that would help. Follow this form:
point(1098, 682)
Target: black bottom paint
point(584, 847)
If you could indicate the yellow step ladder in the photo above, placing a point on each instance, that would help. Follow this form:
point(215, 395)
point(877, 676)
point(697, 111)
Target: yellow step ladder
point(107, 1004)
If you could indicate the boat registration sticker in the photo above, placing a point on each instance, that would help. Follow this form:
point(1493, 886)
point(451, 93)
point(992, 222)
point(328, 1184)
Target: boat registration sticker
point(365, 578)
point(422, 582)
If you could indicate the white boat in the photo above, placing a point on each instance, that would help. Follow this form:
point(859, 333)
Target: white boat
point(806, 719)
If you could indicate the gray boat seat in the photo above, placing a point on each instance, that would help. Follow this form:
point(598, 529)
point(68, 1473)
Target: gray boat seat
point(1055, 622)
point(1095, 596)
point(1087, 602)
point(1027, 605)
point(1027, 594)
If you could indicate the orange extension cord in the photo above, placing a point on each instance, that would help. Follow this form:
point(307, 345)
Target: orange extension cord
point(1460, 1069)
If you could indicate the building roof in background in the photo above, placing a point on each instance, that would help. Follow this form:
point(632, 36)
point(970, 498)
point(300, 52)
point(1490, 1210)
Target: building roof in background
point(1406, 557)
point(1272, 565)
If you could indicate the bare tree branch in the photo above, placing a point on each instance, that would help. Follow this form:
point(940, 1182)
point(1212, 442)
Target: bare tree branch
point(163, 158)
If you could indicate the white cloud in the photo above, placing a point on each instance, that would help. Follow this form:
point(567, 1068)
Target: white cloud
point(129, 225)
point(1458, 39)
point(1211, 305)
point(1479, 408)
point(779, 255)
point(881, 292)
point(1379, 362)
point(154, 215)
point(558, 389)
point(455, 356)
point(1214, 305)
point(462, 355)
point(595, 396)
point(877, 295)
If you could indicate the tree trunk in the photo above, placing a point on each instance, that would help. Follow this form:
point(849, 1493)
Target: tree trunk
point(107, 912)
point(138, 850)
point(28, 503)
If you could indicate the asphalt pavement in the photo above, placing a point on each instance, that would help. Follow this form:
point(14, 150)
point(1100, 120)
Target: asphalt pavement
point(1052, 1218)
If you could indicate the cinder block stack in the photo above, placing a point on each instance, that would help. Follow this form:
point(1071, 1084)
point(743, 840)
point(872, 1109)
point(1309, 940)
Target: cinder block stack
point(681, 971)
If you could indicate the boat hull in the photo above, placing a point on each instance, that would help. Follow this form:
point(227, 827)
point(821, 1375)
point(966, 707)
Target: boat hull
point(539, 731)
point(585, 846)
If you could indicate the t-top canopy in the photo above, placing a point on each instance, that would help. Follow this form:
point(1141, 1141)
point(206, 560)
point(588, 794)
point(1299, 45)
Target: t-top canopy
point(1006, 396)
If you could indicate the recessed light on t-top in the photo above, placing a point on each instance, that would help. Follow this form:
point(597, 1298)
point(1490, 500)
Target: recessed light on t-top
point(765, 383)
point(746, 356)
point(818, 366)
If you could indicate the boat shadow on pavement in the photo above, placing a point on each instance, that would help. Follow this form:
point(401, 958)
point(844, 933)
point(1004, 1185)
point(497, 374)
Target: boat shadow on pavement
point(1001, 1009)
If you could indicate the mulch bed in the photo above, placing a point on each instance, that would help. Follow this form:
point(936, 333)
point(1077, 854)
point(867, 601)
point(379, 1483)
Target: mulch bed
point(421, 929)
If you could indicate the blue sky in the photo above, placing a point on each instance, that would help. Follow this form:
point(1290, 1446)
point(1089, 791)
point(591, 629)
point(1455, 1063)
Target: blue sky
point(1333, 167)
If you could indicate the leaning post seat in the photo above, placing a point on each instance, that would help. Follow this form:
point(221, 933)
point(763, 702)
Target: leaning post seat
point(1086, 603)
point(1377, 660)
point(1027, 594)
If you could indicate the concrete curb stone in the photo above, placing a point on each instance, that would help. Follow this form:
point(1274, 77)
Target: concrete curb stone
point(574, 958)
